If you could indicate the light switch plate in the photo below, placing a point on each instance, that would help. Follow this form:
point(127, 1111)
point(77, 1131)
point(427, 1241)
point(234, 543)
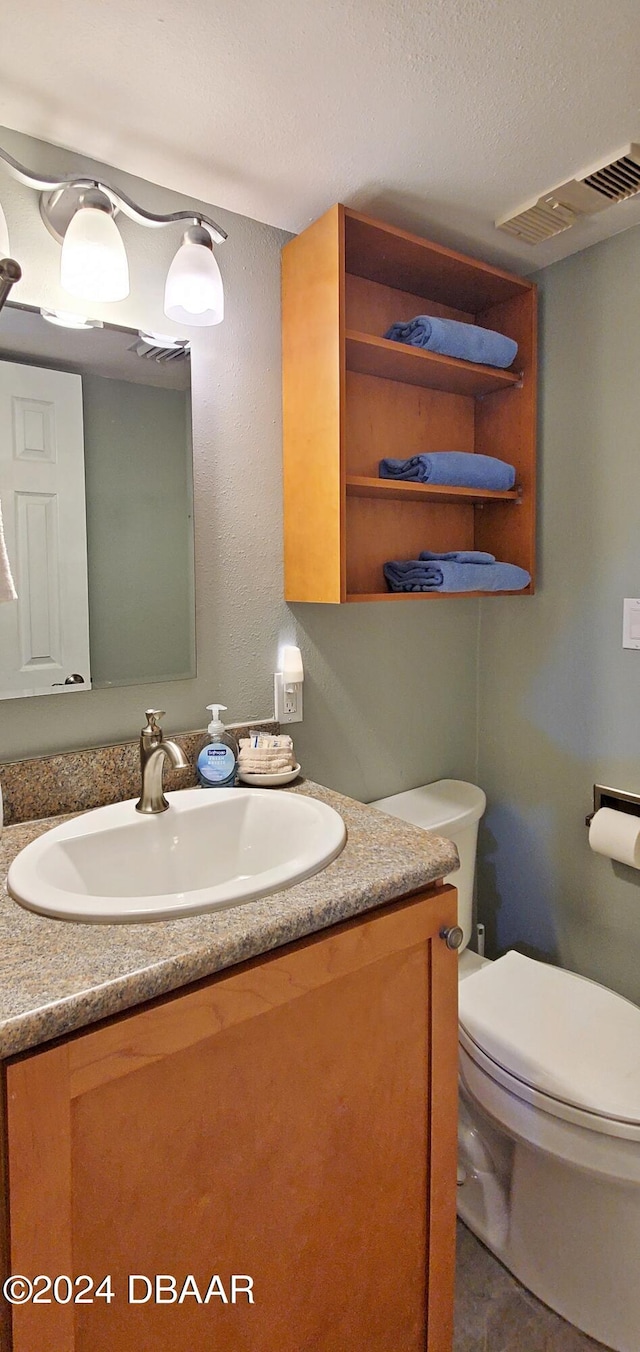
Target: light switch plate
point(631, 622)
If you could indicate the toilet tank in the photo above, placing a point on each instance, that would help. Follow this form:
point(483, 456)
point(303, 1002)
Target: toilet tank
point(453, 809)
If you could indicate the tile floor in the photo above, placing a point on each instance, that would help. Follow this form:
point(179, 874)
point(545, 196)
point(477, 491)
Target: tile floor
point(494, 1313)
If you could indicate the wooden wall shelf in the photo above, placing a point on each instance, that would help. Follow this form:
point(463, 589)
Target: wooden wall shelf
point(360, 486)
point(398, 361)
point(351, 398)
point(425, 596)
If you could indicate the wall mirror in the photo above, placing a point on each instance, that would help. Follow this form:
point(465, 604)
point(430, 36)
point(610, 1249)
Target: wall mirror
point(96, 487)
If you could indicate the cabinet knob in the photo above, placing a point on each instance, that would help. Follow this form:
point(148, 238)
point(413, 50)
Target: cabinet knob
point(453, 936)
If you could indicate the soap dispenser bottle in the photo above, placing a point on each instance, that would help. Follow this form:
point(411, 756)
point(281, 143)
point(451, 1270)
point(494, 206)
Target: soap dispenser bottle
point(218, 760)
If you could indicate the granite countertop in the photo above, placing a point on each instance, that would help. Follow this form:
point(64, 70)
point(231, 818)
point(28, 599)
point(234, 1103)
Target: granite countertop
point(57, 976)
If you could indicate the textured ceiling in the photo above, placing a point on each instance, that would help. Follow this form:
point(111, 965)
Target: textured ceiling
point(439, 115)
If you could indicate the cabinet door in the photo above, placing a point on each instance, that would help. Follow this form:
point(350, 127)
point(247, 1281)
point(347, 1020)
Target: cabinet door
point(292, 1121)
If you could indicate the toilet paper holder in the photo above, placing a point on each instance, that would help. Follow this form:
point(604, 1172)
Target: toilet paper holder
point(615, 798)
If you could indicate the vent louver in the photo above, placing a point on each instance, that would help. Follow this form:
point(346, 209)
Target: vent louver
point(158, 347)
point(547, 218)
point(596, 189)
point(617, 181)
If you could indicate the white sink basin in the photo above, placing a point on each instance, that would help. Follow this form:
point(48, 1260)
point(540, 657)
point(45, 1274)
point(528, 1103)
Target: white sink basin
point(212, 848)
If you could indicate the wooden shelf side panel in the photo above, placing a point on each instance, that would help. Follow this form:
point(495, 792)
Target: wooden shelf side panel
point(313, 401)
point(506, 427)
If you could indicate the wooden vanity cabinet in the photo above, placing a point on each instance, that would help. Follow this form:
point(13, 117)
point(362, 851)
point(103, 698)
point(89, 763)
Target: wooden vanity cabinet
point(292, 1119)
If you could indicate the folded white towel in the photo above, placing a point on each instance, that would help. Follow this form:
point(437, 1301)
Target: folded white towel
point(261, 767)
point(264, 758)
point(266, 754)
point(7, 586)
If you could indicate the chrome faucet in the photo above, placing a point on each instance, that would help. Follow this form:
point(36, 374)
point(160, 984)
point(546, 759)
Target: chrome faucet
point(154, 751)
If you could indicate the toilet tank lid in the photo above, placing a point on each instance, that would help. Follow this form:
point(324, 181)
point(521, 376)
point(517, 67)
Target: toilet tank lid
point(450, 803)
point(560, 1033)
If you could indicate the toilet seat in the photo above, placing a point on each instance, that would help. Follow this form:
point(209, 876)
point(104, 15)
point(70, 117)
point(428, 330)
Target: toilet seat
point(556, 1041)
point(535, 1098)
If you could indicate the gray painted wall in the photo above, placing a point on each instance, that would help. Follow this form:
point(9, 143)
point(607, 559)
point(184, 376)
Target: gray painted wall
point(391, 689)
point(559, 699)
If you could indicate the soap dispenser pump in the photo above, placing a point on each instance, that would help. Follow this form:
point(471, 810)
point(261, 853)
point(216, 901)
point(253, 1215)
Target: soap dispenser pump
point(218, 759)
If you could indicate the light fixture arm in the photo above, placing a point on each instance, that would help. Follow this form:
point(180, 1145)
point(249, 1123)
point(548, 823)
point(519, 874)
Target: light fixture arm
point(45, 183)
point(10, 273)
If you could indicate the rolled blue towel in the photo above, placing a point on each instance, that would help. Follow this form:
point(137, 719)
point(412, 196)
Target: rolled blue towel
point(458, 556)
point(408, 575)
point(453, 339)
point(416, 575)
point(455, 469)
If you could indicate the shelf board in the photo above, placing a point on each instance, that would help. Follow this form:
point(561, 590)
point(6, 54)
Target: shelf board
point(374, 356)
point(384, 253)
point(431, 596)
point(359, 486)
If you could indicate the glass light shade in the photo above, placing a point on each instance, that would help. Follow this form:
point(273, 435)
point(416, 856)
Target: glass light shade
point(193, 292)
point(94, 263)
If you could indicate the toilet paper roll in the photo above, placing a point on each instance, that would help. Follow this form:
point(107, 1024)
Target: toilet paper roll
point(616, 834)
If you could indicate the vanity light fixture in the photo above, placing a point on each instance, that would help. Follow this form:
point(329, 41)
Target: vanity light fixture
point(93, 262)
point(81, 214)
point(193, 292)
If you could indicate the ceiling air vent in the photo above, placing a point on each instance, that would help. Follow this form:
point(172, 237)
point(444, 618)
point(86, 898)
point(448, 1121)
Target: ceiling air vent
point(596, 189)
point(545, 218)
point(160, 347)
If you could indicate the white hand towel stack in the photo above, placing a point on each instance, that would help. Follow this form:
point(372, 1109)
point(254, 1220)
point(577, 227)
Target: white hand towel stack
point(264, 753)
point(7, 588)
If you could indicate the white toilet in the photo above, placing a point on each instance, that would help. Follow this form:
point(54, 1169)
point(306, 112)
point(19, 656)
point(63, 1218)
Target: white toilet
point(549, 1127)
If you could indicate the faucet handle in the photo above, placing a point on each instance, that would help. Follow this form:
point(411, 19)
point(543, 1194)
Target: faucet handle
point(153, 727)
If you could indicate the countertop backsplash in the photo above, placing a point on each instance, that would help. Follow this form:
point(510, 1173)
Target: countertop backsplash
point(74, 781)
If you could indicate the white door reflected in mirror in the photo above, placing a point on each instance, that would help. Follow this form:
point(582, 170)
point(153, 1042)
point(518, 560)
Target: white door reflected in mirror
point(44, 635)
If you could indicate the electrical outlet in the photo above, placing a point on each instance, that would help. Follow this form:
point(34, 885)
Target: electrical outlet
point(287, 699)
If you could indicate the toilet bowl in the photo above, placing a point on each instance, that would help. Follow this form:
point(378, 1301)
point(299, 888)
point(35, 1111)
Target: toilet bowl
point(549, 1124)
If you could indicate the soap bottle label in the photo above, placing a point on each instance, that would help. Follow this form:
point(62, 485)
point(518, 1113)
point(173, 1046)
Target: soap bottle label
point(216, 763)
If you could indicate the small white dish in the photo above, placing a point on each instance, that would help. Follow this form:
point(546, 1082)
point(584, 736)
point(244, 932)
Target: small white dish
point(269, 781)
